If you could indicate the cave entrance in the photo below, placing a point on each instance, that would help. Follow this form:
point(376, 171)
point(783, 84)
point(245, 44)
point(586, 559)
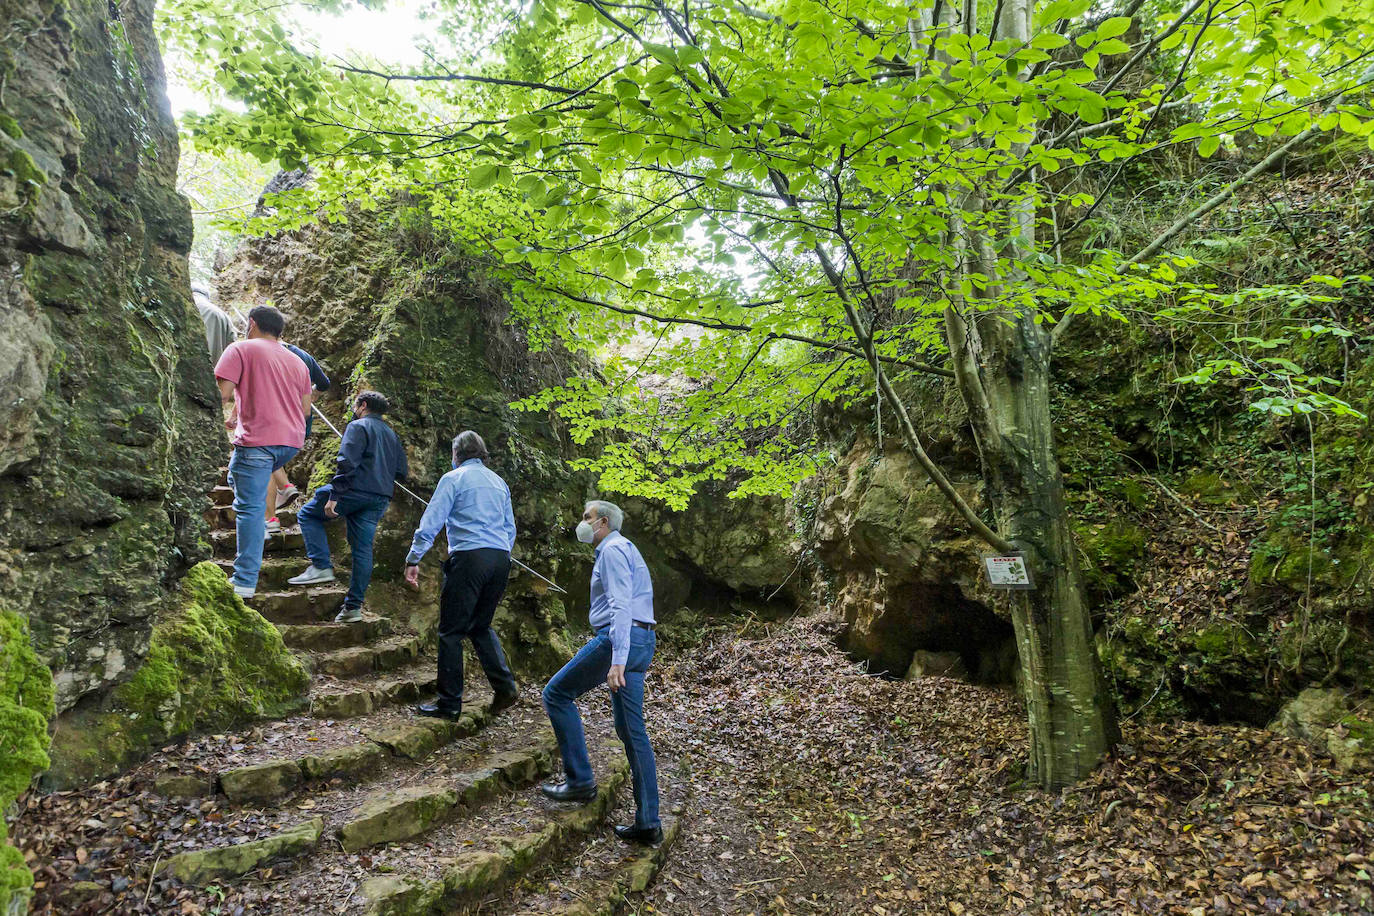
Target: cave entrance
point(936, 618)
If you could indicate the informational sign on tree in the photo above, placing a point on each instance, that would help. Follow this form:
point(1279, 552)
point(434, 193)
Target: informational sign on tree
point(1008, 571)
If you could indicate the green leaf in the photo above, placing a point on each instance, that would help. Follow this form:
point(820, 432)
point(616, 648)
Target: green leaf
point(1117, 25)
point(483, 176)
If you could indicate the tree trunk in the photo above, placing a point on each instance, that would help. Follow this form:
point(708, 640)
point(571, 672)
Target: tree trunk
point(1071, 715)
point(1002, 365)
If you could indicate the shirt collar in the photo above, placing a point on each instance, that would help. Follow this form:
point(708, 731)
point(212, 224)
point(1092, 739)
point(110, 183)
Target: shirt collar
point(607, 539)
point(470, 461)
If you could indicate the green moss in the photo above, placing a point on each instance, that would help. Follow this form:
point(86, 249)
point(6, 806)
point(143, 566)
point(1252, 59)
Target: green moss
point(10, 126)
point(26, 703)
point(16, 881)
point(1362, 730)
point(1219, 672)
point(322, 471)
point(1209, 487)
point(212, 663)
point(21, 165)
point(217, 660)
point(1113, 552)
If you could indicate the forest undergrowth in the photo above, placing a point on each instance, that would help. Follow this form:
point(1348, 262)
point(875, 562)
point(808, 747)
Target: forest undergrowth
point(821, 789)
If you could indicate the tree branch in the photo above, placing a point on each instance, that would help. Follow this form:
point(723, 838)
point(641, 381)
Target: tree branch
point(1183, 222)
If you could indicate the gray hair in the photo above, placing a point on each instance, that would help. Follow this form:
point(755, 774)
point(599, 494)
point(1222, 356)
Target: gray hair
point(612, 513)
point(468, 444)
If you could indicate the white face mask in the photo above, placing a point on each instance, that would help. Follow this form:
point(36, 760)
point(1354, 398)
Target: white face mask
point(584, 532)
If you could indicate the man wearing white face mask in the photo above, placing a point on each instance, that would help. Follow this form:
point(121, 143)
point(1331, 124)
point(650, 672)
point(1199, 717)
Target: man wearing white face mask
point(619, 653)
point(473, 505)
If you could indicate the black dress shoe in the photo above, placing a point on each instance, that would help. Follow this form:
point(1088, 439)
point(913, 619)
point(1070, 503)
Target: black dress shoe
point(504, 701)
point(436, 711)
point(562, 792)
point(649, 836)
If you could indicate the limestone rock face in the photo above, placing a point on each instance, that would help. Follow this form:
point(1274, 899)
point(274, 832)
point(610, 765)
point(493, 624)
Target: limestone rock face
point(212, 662)
point(108, 433)
point(1324, 717)
point(902, 569)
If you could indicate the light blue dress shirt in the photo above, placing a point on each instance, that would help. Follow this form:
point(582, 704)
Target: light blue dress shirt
point(474, 504)
point(622, 592)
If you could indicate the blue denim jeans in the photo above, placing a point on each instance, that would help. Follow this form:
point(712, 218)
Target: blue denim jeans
point(250, 468)
point(587, 669)
point(362, 512)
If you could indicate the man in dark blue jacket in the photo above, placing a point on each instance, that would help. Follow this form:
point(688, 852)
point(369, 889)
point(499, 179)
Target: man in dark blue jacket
point(371, 460)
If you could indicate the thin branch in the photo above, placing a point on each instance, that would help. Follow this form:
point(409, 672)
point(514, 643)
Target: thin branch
point(1216, 200)
point(717, 325)
point(459, 77)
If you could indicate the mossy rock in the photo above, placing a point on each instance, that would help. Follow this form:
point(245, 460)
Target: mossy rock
point(213, 662)
point(26, 703)
point(1113, 552)
point(1324, 716)
point(1210, 488)
point(1219, 672)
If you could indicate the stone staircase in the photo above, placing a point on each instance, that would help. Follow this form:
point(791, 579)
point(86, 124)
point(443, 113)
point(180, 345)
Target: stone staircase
point(359, 806)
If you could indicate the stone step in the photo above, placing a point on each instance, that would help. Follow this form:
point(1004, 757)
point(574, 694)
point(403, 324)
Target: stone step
point(387, 655)
point(222, 516)
point(606, 898)
point(276, 570)
point(363, 699)
point(225, 543)
point(401, 814)
point(472, 875)
point(274, 780)
point(300, 605)
point(205, 866)
point(220, 497)
point(323, 637)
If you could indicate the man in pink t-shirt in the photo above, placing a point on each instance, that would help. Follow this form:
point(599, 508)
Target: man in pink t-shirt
point(269, 387)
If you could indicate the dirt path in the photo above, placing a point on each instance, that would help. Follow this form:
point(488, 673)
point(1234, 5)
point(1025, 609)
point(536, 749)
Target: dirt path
point(802, 784)
point(818, 789)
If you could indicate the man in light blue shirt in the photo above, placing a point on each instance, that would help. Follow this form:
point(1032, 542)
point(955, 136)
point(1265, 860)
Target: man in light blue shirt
point(473, 505)
point(619, 653)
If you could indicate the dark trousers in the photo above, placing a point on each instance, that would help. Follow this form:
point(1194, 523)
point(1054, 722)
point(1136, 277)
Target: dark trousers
point(474, 581)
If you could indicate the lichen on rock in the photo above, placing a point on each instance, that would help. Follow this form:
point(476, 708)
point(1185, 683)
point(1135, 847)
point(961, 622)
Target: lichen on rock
point(213, 662)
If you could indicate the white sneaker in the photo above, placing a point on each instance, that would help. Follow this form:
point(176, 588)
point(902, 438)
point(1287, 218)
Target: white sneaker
point(349, 615)
point(273, 526)
point(313, 575)
point(245, 592)
point(285, 496)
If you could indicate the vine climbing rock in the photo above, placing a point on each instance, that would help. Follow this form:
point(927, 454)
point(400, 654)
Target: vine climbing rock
point(353, 804)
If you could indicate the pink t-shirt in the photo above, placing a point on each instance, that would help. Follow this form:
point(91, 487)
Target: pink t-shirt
point(270, 384)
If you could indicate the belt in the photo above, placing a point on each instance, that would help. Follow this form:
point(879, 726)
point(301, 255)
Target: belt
point(647, 626)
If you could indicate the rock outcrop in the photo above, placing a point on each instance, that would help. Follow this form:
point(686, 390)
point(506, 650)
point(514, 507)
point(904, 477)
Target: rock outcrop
point(902, 570)
point(108, 435)
point(1326, 717)
point(107, 404)
point(212, 663)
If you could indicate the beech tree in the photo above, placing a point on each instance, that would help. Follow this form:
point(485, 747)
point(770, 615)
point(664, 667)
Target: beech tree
point(804, 201)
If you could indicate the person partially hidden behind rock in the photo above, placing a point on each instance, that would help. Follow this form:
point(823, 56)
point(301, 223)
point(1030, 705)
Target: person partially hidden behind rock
point(618, 653)
point(280, 489)
point(473, 504)
point(270, 390)
point(371, 460)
